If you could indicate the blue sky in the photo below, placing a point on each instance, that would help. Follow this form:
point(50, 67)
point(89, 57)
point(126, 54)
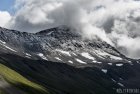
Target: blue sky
point(7, 5)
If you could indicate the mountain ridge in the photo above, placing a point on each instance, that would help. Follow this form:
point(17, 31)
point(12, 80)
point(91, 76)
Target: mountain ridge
point(57, 35)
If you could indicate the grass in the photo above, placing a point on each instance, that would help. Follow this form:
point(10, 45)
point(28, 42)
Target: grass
point(2, 92)
point(21, 82)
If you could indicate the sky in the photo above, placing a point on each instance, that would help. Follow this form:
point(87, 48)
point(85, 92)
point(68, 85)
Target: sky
point(115, 21)
point(7, 5)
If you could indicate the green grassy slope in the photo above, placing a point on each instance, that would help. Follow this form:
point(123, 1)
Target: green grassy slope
point(2, 92)
point(20, 82)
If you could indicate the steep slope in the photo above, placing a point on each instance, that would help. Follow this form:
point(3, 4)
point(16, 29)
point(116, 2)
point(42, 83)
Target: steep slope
point(13, 83)
point(63, 62)
point(60, 78)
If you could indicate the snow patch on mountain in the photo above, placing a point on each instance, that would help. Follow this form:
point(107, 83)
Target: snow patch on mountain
point(109, 63)
point(120, 78)
point(50, 33)
point(87, 55)
point(104, 70)
point(64, 52)
point(114, 80)
point(42, 56)
point(80, 61)
point(99, 62)
point(2, 42)
point(74, 54)
point(94, 61)
point(70, 61)
point(10, 48)
point(58, 58)
point(119, 65)
point(27, 54)
point(138, 62)
point(103, 54)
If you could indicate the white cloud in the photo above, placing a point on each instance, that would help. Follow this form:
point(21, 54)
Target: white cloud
point(5, 17)
point(115, 21)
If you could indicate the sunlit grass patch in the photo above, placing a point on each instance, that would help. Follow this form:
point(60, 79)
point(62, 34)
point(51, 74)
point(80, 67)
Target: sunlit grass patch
point(19, 81)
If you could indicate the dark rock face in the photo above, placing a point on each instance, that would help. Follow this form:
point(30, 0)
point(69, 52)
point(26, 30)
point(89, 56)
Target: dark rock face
point(59, 59)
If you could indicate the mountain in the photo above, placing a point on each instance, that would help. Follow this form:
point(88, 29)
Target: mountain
point(58, 44)
point(60, 61)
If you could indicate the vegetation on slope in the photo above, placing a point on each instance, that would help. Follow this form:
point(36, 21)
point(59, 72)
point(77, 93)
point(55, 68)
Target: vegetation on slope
point(20, 82)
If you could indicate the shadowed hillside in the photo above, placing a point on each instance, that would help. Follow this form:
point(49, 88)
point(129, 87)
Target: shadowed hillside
point(60, 78)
